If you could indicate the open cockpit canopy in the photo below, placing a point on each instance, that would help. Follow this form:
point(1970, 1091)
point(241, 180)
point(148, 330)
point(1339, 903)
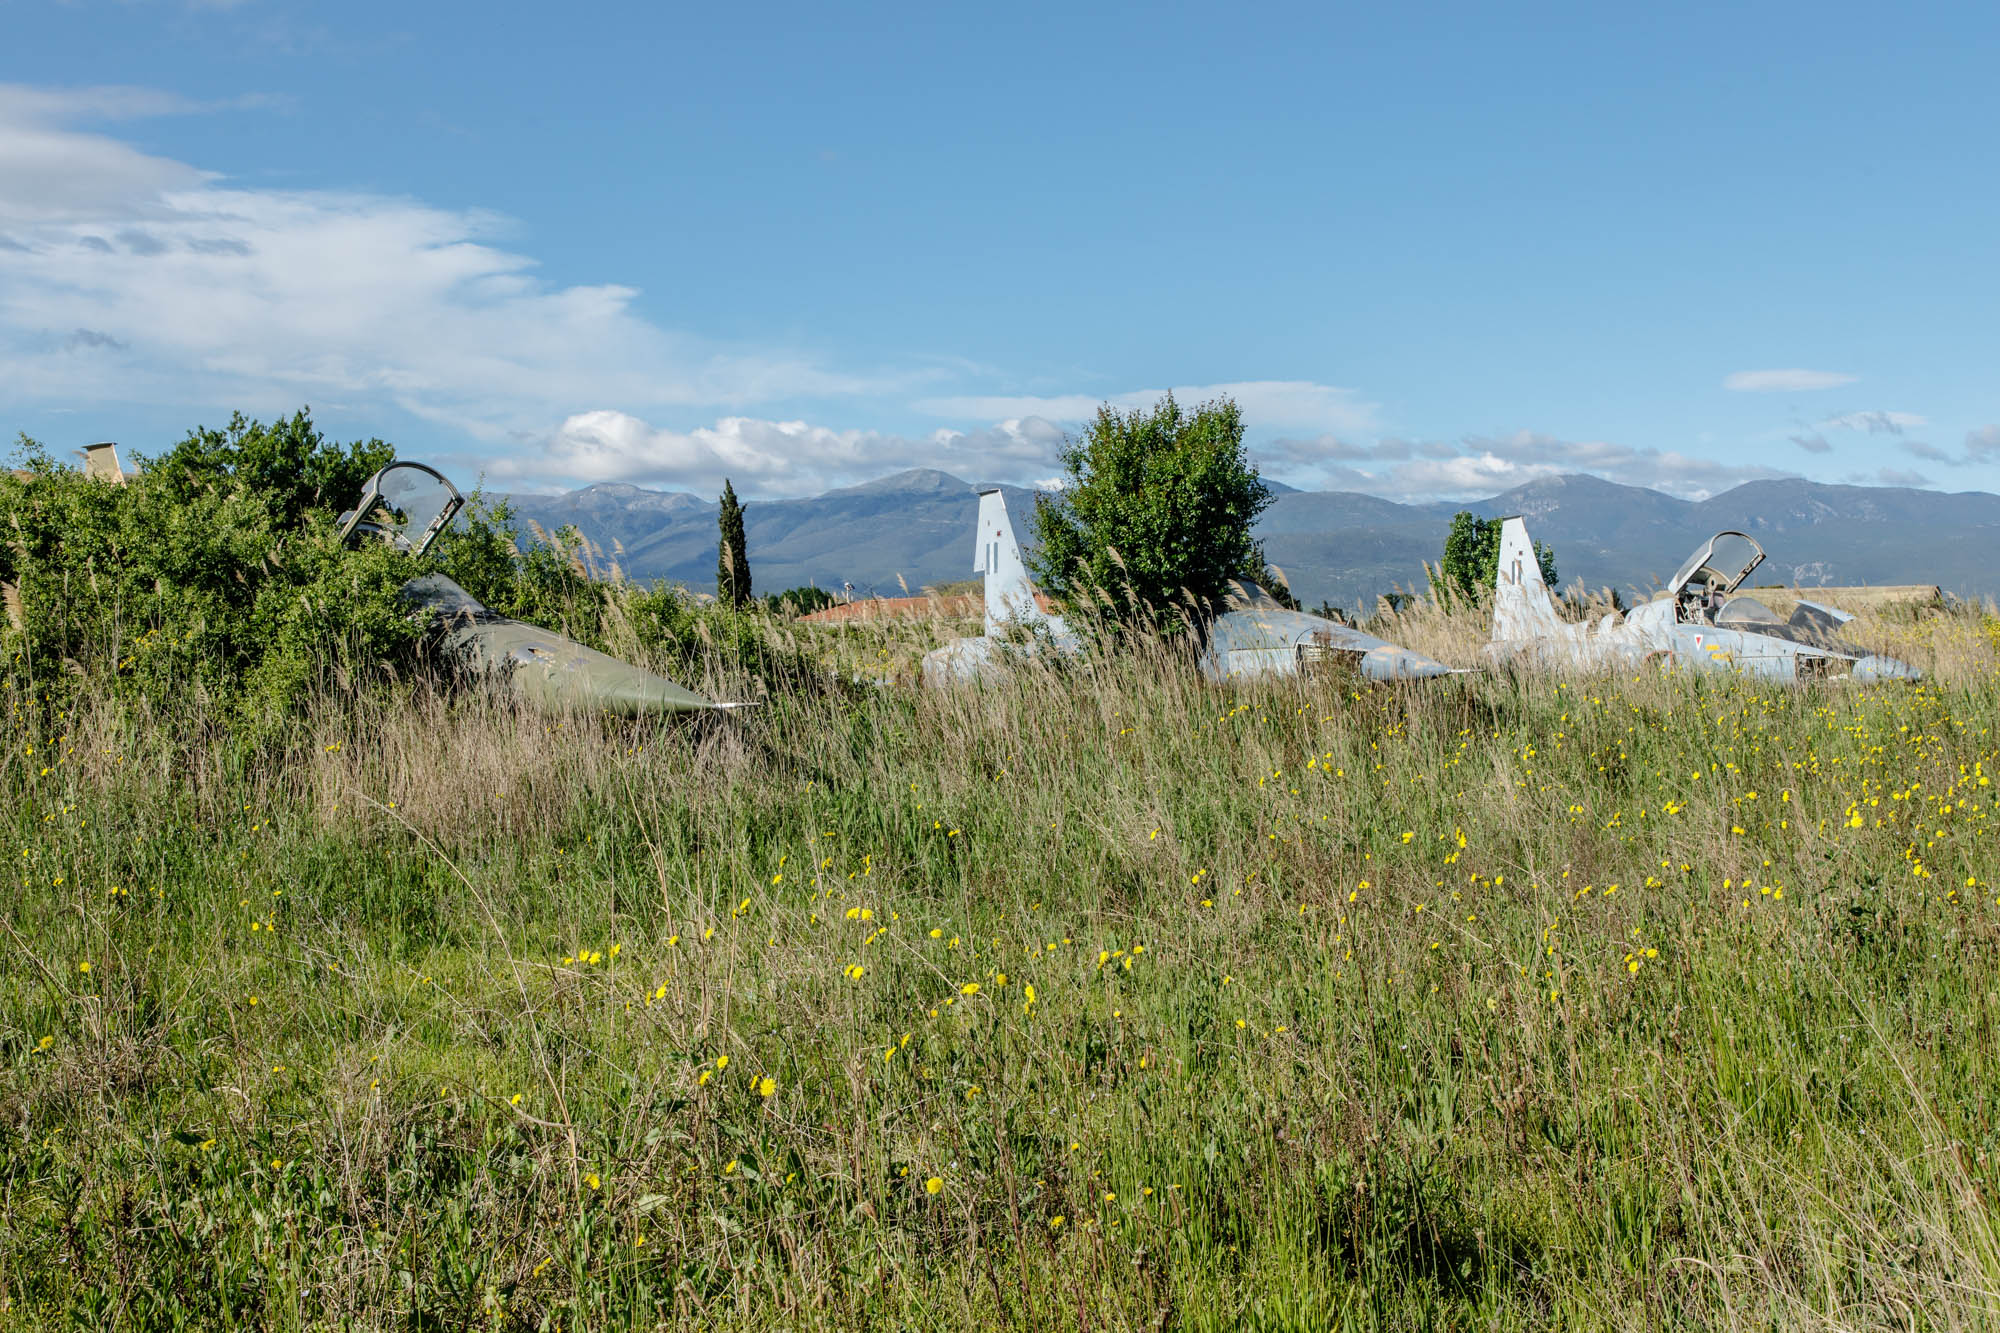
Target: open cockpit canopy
point(1721, 563)
point(405, 504)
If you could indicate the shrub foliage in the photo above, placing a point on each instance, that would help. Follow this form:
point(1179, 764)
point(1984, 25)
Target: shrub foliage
point(1471, 559)
point(216, 574)
point(216, 570)
point(1156, 513)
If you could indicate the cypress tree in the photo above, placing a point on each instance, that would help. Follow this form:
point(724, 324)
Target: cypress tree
point(732, 562)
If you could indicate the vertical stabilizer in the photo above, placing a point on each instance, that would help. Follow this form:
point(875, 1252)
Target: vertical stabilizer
point(1522, 607)
point(101, 461)
point(1010, 595)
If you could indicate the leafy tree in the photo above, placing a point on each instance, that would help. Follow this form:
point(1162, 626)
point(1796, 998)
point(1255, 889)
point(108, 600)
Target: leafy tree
point(800, 601)
point(732, 559)
point(287, 467)
point(1156, 512)
point(1471, 560)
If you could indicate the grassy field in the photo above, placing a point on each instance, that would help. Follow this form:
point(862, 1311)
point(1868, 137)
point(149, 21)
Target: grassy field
point(1105, 1000)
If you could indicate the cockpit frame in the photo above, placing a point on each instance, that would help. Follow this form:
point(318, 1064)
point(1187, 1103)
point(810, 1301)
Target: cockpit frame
point(383, 511)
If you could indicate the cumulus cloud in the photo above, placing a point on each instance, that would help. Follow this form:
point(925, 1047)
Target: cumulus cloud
point(1480, 466)
point(775, 458)
point(1813, 442)
point(1785, 381)
point(1269, 404)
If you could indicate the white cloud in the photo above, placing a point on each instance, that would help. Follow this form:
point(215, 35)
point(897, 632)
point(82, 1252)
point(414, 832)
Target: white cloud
point(1875, 423)
point(130, 277)
point(1785, 381)
point(50, 173)
point(1266, 404)
point(775, 458)
point(1982, 445)
point(1294, 456)
point(1480, 466)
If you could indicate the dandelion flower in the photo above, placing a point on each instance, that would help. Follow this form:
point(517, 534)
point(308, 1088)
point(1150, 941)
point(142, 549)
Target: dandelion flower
point(934, 1185)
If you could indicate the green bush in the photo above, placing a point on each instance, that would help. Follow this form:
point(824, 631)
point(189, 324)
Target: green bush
point(215, 577)
point(216, 571)
point(1471, 560)
point(799, 601)
point(1156, 513)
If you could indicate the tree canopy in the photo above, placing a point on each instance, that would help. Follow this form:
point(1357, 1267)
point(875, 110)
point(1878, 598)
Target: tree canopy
point(1471, 559)
point(1155, 512)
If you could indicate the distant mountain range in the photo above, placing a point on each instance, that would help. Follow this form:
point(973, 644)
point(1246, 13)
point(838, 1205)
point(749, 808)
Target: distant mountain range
point(915, 529)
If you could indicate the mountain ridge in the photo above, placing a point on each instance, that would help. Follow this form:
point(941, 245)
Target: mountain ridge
point(913, 528)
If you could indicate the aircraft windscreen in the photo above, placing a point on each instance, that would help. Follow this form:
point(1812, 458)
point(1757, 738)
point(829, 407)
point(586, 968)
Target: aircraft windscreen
point(408, 503)
point(1725, 560)
point(1733, 557)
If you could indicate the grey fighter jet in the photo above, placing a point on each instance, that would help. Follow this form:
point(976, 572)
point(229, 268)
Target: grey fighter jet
point(1016, 624)
point(1699, 621)
point(407, 505)
point(1255, 637)
point(1258, 637)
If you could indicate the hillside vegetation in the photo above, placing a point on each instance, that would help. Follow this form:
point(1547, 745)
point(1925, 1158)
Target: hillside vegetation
point(1107, 999)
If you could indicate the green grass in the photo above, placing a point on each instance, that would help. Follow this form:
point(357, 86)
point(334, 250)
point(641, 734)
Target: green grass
point(1453, 1007)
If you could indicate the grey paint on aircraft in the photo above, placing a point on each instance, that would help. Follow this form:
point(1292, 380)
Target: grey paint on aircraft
point(1255, 638)
point(1695, 623)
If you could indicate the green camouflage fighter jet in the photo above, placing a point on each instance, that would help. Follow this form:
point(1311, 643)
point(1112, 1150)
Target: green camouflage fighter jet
point(408, 505)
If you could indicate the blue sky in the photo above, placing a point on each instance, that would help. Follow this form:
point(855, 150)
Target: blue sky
point(1434, 250)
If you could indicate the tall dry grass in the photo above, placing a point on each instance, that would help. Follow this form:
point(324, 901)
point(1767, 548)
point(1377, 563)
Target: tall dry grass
point(1492, 1002)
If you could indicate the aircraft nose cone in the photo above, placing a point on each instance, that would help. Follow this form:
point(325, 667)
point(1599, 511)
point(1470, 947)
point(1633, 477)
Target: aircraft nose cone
point(1400, 664)
point(1884, 668)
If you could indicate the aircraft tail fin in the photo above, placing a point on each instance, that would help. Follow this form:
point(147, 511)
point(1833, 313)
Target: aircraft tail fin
point(1010, 593)
point(1522, 606)
point(101, 461)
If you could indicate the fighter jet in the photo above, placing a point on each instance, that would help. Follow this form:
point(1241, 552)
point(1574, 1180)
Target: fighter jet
point(1697, 621)
point(407, 505)
point(1258, 637)
point(1015, 621)
point(1254, 637)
